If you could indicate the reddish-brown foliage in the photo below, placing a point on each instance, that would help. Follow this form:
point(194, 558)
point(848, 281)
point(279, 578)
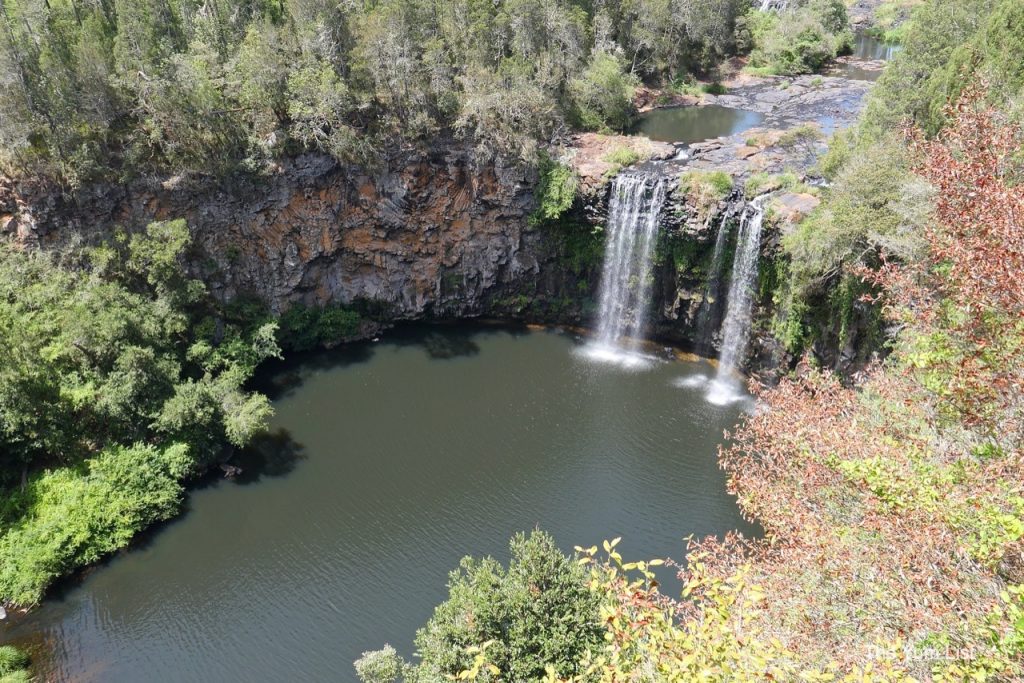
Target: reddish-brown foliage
point(891, 509)
point(967, 298)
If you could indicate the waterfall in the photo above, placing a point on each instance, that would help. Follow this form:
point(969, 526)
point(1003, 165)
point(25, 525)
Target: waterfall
point(625, 292)
point(736, 327)
point(704, 316)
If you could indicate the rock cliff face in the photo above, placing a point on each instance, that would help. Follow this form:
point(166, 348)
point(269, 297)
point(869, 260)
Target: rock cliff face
point(432, 235)
point(436, 235)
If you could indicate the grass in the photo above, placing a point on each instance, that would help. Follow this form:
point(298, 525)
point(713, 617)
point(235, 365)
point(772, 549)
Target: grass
point(623, 156)
point(760, 71)
point(806, 132)
point(705, 189)
point(760, 183)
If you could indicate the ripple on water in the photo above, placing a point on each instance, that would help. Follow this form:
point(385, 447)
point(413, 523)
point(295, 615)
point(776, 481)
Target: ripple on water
point(612, 355)
point(718, 391)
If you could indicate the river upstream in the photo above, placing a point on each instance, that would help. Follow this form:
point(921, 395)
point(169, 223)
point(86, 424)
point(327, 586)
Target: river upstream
point(390, 462)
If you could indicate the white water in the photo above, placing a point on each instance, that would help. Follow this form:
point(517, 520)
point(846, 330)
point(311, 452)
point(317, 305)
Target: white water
point(704, 316)
point(625, 293)
point(725, 387)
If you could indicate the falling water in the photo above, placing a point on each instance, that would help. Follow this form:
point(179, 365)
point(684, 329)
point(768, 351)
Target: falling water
point(636, 202)
point(704, 316)
point(736, 328)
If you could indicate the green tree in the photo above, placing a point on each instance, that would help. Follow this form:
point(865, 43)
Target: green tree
point(538, 613)
point(603, 94)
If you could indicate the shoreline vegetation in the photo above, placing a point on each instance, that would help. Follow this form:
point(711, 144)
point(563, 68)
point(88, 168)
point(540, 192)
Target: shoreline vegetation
point(893, 502)
point(140, 385)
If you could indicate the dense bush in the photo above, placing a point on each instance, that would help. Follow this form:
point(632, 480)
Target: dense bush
point(945, 43)
point(875, 206)
point(302, 328)
point(68, 518)
point(555, 192)
point(536, 614)
point(133, 86)
point(911, 485)
point(602, 97)
point(802, 39)
point(120, 377)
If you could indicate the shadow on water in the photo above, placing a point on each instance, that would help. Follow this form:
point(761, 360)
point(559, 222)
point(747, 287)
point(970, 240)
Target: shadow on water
point(361, 470)
point(448, 341)
point(272, 454)
point(278, 379)
point(277, 453)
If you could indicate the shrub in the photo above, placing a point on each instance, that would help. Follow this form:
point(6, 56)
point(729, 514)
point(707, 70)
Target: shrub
point(71, 517)
point(556, 190)
point(380, 666)
point(303, 328)
point(800, 40)
point(602, 97)
point(869, 207)
point(806, 132)
point(517, 622)
point(927, 447)
point(119, 379)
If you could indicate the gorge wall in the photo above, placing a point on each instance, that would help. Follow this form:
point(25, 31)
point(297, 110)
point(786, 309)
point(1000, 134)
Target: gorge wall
point(432, 235)
point(435, 234)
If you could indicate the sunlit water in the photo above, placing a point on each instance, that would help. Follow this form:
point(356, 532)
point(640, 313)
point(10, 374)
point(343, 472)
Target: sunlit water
point(390, 462)
point(694, 124)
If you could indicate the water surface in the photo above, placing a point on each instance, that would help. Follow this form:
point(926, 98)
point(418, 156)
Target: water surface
point(694, 124)
point(389, 462)
point(866, 48)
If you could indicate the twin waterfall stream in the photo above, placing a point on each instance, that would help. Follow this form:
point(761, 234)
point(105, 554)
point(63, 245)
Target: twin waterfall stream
point(626, 283)
point(633, 213)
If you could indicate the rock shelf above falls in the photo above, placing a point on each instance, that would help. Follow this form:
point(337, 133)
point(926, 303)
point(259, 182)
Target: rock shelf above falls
point(797, 116)
point(826, 102)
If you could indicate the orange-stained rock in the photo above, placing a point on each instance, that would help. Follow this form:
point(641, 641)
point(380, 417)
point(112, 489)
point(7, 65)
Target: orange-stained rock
point(435, 233)
point(746, 151)
point(792, 207)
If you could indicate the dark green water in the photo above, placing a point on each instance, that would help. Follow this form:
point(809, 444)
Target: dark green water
point(391, 461)
point(694, 124)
